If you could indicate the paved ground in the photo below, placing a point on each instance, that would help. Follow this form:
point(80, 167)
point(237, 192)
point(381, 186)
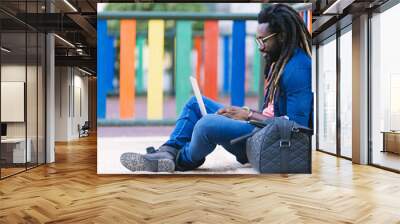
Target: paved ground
point(109, 150)
point(113, 141)
point(135, 131)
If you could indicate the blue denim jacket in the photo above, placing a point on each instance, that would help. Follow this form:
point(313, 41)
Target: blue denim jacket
point(295, 97)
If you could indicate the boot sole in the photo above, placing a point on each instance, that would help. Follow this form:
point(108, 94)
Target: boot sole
point(137, 162)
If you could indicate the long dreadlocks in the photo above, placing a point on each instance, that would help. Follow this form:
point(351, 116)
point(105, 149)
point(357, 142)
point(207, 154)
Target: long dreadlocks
point(285, 21)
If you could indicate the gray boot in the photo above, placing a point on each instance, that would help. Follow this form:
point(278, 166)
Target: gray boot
point(161, 160)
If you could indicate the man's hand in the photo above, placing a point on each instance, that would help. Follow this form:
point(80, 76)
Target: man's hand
point(233, 112)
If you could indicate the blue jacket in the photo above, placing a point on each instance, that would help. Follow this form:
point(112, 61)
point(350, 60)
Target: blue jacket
point(295, 97)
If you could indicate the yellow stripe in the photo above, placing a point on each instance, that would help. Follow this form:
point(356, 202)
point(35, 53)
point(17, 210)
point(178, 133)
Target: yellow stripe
point(155, 69)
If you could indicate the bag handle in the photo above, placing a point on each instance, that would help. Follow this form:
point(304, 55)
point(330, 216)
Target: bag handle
point(258, 124)
point(285, 130)
point(244, 137)
point(304, 130)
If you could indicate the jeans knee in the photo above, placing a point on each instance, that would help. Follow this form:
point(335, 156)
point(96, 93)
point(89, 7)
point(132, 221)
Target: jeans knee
point(191, 100)
point(185, 164)
point(207, 122)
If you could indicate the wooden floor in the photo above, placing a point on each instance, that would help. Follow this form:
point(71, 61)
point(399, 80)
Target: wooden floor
point(70, 191)
point(387, 159)
point(10, 171)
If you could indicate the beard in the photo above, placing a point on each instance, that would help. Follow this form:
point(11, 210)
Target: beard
point(267, 66)
point(269, 58)
point(272, 56)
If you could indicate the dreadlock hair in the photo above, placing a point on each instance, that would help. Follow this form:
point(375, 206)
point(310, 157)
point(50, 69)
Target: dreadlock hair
point(285, 21)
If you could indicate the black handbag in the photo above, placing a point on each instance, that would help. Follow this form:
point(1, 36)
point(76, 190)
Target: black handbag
point(278, 145)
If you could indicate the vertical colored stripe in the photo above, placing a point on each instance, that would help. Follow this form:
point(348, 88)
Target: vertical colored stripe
point(227, 65)
point(211, 34)
point(238, 63)
point(110, 62)
point(183, 62)
point(140, 70)
point(199, 49)
point(101, 70)
point(305, 17)
point(155, 70)
point(107, 50)
point(127, 69)
point(261, 84)
point(310, 21)
point(256, 69)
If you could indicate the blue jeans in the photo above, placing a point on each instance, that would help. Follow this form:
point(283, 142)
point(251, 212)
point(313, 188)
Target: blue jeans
point(197, 136)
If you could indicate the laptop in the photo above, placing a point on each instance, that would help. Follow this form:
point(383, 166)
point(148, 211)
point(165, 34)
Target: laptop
point(197, 94)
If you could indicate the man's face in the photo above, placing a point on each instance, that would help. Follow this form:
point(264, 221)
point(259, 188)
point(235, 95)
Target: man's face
point(270, 48)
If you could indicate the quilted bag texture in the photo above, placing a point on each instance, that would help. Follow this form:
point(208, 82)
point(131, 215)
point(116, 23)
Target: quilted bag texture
point(281, 146)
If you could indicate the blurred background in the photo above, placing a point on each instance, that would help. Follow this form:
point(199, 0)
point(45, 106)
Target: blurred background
point(147, 51)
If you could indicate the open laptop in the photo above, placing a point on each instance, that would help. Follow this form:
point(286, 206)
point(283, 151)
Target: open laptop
point(197, 94)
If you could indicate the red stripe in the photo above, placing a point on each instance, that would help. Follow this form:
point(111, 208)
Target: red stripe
point(127, 70)
point(211, 34)
point(310, 21)
point(199, 49)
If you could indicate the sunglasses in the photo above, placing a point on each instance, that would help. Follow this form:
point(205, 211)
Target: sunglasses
point(260, 41)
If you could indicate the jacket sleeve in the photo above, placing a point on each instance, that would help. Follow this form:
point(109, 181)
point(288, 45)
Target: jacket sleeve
point(299, 97)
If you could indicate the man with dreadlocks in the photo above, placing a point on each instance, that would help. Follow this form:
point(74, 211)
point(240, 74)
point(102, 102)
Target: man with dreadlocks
point(285, 43)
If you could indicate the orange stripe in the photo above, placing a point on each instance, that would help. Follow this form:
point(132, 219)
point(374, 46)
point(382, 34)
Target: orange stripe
point(211, 34)
point(127, 69)
point(310, 21)
point(199, 50)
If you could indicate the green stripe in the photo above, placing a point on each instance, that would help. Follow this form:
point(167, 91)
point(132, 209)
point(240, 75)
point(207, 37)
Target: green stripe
point(139, 69)
point(261, 62)
point(256, 71)
point(183, 63)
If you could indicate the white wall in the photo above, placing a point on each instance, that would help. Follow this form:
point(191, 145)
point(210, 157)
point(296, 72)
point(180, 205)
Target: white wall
point(71, 94)
point(81, 94)
point(12, 73)
point(33, 126)
point(61, 103)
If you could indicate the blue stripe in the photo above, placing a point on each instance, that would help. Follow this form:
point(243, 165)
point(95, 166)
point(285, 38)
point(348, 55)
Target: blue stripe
point(101, 69)
point(110, 55)
point(226, 64)
point(238, 63)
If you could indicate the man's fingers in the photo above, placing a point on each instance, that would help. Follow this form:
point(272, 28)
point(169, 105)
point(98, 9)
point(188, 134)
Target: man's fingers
point(229, 110)
point(221, 111)
point(224, 110)
point(226, 115)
